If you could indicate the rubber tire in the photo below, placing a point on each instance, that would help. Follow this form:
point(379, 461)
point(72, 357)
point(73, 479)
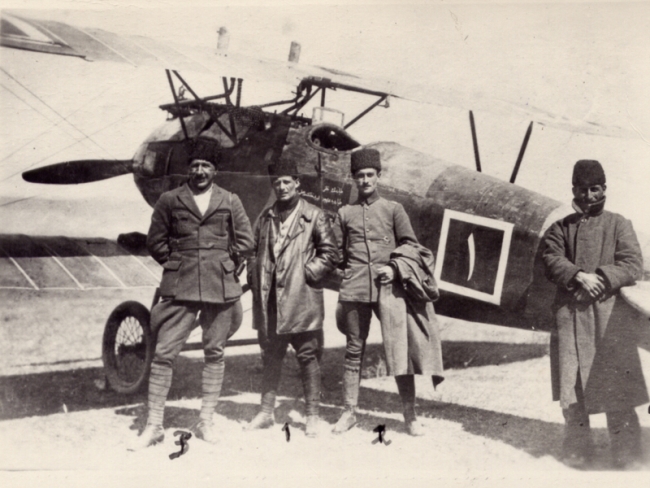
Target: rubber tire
point(137, 376)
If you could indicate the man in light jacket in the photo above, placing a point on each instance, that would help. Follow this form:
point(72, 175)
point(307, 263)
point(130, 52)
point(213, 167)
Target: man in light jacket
point(294, 250)
point(595, 363)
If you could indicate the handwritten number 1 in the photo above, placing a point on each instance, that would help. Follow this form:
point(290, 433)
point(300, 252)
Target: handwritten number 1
point(381, 432)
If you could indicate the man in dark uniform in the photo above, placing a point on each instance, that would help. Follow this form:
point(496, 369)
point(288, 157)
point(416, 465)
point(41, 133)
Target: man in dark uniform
point(295, 249)
point(370, 229)
point(595, 362)
point(198, 233)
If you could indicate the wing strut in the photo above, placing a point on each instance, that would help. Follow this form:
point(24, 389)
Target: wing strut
point(477, 158)
point(180, 115)
point(521, 153)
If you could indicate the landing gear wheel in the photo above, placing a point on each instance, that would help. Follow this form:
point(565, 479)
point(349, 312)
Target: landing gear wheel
point(128, 347)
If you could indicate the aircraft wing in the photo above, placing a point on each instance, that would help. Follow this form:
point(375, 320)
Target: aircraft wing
point(638, 296)
point(91, 44)
point(48, 263)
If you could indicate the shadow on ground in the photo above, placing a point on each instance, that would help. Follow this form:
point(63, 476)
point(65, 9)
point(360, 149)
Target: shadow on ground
point(47, 393)
point(73, 390)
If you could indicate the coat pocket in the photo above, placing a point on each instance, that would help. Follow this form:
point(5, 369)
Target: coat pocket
point(182, 222)
point(169, 281)
point(231, 286)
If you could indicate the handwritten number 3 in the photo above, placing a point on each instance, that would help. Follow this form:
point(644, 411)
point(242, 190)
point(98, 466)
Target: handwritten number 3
point(185, 446)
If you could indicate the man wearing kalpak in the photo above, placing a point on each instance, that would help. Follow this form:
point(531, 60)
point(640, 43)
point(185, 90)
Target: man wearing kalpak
point(595, 363)
point(369, 231)
point(295, 250)
point(199, 232)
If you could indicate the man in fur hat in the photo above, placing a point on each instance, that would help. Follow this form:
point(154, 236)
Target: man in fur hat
point(294, 250)
point(198, 232)
point(590, 255)
point(370, 229)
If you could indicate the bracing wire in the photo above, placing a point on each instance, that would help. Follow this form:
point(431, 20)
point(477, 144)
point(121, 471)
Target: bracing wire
point(138, 109)
point(57, 113)
point(54, 124)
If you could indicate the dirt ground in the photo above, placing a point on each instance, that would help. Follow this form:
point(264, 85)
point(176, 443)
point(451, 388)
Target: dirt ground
point(491, 421)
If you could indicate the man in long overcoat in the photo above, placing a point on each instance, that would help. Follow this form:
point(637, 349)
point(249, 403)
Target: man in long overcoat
point(198, 233)
point(294, 250)
point(369, 230)
point(590, 255)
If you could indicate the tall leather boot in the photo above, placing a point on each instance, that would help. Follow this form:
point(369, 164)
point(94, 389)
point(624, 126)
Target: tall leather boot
point(577, 446)
point(625, 438)
point(211, 384)
point(351, 379)
point(312, 388)
point(406, 388)
point(270, 382)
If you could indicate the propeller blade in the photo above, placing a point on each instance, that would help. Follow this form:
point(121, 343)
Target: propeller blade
point(75, 172)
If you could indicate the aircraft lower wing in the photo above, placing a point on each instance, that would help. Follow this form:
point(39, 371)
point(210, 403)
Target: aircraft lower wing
point(48, 263)
point(638, 296)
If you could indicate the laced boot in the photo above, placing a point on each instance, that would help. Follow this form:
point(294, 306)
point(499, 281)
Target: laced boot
point(263, 420)
point(406, 388)
point(270, 381)
point(160, 379)
point(351, 378)
point(206, 431)
point(150, 436)
point(311, 428)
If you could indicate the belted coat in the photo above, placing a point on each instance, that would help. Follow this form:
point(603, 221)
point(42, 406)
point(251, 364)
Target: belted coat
point(198, 252)
point(597, 339)
point(306, 257)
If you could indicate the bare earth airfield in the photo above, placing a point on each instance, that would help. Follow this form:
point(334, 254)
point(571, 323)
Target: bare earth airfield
point(492, 415)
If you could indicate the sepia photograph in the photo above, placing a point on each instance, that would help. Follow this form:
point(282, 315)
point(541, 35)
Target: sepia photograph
point(283, 243)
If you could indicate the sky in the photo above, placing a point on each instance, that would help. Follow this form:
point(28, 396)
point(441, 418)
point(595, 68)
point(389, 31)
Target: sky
point(586, 60)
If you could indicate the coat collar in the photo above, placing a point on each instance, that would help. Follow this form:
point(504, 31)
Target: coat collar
point(370, 200)
point(298, 225)
point(187, 198)
point(302, 211)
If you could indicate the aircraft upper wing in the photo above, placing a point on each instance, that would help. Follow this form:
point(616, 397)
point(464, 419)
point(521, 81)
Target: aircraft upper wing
point(91, 44)
point(46, 263)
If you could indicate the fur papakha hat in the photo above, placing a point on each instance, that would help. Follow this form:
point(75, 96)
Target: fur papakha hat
point(205, 151)
point(283, 168)
point(365, 158)
point(588, 172)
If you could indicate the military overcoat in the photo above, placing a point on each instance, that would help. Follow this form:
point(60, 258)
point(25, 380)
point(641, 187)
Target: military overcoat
point(597, 339)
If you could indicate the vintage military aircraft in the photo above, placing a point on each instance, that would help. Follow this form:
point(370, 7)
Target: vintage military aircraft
point(485, 233)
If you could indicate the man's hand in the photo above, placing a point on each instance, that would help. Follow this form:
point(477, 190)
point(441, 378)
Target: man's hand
point(591, 283)
point(386, 274)
point(581, 295)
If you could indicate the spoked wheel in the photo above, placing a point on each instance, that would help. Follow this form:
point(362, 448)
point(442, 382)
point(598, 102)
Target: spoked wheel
point(128, 347)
